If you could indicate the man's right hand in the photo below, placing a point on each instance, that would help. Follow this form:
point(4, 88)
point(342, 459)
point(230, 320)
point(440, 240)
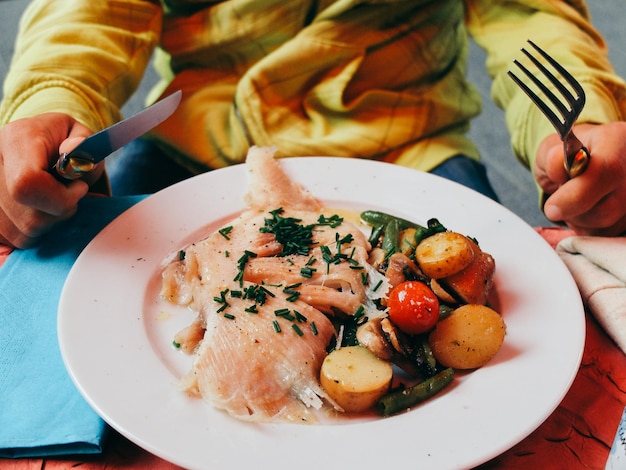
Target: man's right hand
point(32, 200)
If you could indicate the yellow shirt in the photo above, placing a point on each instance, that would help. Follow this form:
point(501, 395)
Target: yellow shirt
point(380, 79)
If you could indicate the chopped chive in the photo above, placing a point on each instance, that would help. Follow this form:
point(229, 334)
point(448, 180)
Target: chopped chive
point(301, 318)
point(229, 316)
point(292, 295)
point(276, 326)
point(359, 312)
point(176, 344)
point(333, 221)
point(365, 278)
point(378, 284)
point(314, 328)
point(271, 285)
point(226, 254)
point(236, 293)
point(281, 312)
point(267, 291)
point(252, 309)
point(310, 261)
point(241, 265)
point(307, 272)
point(295, 238)
point(224, 232)
point(181, 255)
point(297, 329)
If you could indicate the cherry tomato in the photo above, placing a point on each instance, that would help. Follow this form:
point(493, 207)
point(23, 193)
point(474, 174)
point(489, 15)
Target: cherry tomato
point(413, 307)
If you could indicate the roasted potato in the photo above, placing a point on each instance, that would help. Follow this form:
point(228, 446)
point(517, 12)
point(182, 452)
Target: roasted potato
point(468, 338)
point(472, 284)
point(355, 378)
point(444, 254)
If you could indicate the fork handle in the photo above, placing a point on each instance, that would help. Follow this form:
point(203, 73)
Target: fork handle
point(576, 155)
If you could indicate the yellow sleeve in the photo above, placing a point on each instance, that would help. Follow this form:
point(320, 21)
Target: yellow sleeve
point(83, 58)
point(564, 30)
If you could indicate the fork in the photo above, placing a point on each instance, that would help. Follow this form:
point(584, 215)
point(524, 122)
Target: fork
point(576, 155)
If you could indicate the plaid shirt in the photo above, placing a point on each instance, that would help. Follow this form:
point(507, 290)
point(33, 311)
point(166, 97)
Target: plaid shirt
point(382, 79)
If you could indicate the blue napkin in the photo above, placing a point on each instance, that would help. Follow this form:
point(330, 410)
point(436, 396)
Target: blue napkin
point(41, 412)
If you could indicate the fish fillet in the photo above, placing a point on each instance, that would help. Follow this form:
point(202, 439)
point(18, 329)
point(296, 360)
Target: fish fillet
point(263, 324)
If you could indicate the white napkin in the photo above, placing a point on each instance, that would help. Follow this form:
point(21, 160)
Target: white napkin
point(598, 264)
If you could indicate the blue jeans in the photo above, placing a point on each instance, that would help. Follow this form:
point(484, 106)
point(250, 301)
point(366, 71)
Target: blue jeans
point(142, 168)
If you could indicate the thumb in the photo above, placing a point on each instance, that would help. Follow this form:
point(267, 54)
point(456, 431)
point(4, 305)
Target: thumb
point(70, 144)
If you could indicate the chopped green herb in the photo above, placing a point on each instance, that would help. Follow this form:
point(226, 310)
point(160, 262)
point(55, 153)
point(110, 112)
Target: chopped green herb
point(301, 318)
point(297, 329)
point(359, 312)
point(296, 239)
point(225, 232)
point(241, 265)
point(229, 316)
point(314, 328)
point(176, 344)
point(377, 286)
point(307, 272)
point(252, 309)
point(292, 295)
point(333, 221)
point(276, 326)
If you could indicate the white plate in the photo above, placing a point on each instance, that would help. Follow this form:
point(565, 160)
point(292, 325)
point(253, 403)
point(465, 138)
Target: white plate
point(116, 337)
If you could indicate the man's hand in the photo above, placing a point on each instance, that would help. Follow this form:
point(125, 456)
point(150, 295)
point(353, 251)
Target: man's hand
point(593, 203)
point(32, 200)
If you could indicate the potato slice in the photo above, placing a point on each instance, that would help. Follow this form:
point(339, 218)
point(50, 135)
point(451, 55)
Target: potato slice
point(444, 254)
point(468, 338)
point(355, 378)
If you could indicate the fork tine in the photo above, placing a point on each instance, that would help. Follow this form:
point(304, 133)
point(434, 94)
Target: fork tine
point(575, 104)
point(551, 115)
point(564, 110)
point(564, 73)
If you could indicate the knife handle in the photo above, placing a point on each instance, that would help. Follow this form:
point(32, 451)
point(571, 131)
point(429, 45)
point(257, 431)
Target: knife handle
point(71, 167)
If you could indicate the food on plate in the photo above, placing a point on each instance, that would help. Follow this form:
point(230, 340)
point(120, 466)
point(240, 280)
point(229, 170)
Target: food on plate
point(355, 378)
point(302, 312)
point(413, 307)
point(264, 287)
point(444, 254)
point(469, 337)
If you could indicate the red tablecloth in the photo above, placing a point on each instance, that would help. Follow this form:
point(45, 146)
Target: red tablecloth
point(579, 433)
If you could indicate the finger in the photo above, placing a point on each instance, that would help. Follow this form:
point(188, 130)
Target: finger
point(70, 144)
point(552, 173)
point(43, 192)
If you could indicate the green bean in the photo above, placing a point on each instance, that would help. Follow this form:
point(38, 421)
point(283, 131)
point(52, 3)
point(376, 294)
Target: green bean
point(390, 238)
point(395, 402)
point(424, 358)
point(375, 218)
point(377, 230)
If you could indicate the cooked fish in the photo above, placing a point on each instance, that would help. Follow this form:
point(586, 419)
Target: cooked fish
point(264, 287)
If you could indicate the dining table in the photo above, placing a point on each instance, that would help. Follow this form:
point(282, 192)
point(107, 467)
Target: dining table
point(579, 433)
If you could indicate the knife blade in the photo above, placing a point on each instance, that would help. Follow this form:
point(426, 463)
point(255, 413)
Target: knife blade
point(98, 146)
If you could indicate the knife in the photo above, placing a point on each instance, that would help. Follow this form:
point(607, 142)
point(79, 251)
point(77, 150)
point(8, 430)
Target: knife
point(97, 147)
